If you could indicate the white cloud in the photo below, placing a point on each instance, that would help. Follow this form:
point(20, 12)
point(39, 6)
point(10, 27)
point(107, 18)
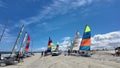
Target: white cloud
point(66, 38)
point(41, 49)
point(57, 7)
point(108, 40)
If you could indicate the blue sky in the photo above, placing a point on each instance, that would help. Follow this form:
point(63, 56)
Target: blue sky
point(58, 19)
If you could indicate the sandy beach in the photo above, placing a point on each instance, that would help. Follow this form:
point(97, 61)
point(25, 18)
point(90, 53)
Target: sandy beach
point(64, 62)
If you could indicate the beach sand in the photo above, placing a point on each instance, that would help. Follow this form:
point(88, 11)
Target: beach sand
point(64, 62)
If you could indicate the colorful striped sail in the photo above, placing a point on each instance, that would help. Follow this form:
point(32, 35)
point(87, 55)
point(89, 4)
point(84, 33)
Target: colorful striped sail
point(49, 45)
point(27, 44)
point(86, 41)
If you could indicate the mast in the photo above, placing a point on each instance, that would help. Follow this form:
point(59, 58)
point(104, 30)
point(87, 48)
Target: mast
point(2, 33)
point(22, 44)
point(18, 38)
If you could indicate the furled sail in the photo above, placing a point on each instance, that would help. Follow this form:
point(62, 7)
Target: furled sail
point(22, 44)
point(17, 40)
point(86, 41)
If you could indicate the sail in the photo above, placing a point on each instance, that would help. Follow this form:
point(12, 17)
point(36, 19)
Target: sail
point(18, 38)
point(53, 48)
point(57, 46)
point(22, 44)
point(86, 41)
point(49, 45)
point(76, 41)
point(27, 44)
point(71, 45)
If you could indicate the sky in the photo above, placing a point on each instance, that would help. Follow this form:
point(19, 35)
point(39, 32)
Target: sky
point(60, 20)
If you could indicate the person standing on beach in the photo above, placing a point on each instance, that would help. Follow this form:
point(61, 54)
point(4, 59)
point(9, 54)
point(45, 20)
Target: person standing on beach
point(21, 57)
point(42, 54)
point(68, 52)
point(18, 57)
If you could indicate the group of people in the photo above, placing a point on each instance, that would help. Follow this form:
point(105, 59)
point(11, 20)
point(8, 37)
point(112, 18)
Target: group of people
point(70, 52)
point(43, 53)
point(19, 57)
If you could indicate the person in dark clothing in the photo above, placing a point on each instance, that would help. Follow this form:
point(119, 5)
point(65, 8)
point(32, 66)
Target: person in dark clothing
point(42, 54)
point(18, 57)
point(68, 52)
point(45, 53)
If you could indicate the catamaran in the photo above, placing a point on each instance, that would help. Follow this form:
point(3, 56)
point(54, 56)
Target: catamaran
point(12, 58)
point(86, 41)
point(55, 50)
point(48, 51)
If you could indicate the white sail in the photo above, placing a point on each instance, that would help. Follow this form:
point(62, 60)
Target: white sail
point(76, 41)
